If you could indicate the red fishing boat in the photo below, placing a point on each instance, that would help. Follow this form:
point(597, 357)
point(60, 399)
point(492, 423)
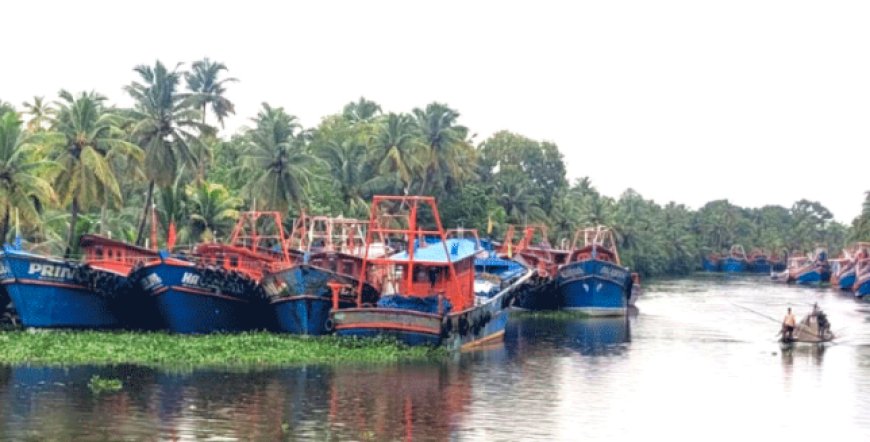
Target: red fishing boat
point(539, 293)
point(332, 249)
point(427, 295)
point(215, 287)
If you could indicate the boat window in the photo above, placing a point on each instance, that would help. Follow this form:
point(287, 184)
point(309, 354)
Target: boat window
point(110, 254)
point(99, 252)
point(348, 268)
point(220, 261)
point(234, 261)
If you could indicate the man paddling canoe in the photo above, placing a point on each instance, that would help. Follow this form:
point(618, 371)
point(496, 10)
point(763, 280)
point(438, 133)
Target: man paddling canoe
point(788, 324)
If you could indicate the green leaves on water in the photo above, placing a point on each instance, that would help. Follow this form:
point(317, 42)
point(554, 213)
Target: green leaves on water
point(162, 349)
point(99, 385)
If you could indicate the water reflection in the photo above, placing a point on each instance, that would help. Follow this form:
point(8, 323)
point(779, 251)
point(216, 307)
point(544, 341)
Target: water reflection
point(690, 364)
point(587, 336)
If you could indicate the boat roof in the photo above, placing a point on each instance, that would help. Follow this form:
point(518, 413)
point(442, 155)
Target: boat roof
point(459, 248)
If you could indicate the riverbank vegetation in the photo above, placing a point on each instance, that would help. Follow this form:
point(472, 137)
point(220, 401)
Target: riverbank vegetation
point(76, 163)
point(162, 349)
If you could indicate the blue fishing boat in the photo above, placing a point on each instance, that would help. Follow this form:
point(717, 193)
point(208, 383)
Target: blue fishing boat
point(594, 282)
point(759, 262)
point(736, 261)
point(711, 263)
point(53, 292)
point(805, 271)
point(216, 287)
point(862, 279)
point(301, 294)
point(843, 270)
point(428, 292)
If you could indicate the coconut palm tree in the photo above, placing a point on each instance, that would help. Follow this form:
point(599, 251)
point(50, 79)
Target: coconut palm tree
point(21, 175)
point(85, 136)
point(361, 110)
point(40, 113)
point(396, 149)
point(6, 107)
point(166, 126)
point(208, 90)
point(346, 162)
point(213, 211)
point(448, 156)
point(276, 160)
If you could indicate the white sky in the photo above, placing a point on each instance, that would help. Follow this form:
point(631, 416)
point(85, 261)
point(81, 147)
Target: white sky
point(761, 102)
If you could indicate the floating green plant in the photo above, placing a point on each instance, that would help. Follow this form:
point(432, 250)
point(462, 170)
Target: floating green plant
point(163, 349)
point(99, 385)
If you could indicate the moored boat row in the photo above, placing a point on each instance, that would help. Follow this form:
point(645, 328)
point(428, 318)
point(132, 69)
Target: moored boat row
point(317, 279)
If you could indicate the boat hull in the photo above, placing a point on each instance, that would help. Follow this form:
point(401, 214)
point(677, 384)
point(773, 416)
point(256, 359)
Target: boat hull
point(813, 277)
point(733, 265)
point(192, 300)
point(862, 289)
point(595, 288)
point(537, 296)
point(300, 297)
point(709, 265)
point(760, 266)
point(481, 324)
point(47, 294)
point(847, 281)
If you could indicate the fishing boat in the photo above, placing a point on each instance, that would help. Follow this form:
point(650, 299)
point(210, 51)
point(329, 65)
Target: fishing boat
point(814, 328)
point(862, 279)
point(711, 262)
point(594, 282)
point(214, 287)
point(735, 261)
point(300, 295)
point(778, 262)
point(804, 270)
point(759, 262)
point(843, 269)
point(428, 292)
point(539, 293)
point(50, 292)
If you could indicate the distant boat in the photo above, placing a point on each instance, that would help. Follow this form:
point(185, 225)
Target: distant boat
point(735, 261)
point(805, 271)
point(50, 292)
point(759, 262)
point(428, 295)
point(862, 279)
point(843, 269)
point(711, 263)
point(594, 282)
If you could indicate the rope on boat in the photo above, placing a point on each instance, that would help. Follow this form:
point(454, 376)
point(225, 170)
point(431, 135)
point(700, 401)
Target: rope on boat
point(757, 312)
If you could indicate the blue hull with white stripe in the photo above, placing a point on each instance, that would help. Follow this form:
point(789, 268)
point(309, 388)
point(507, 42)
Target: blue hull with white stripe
point(189, 300)
point(46, 294)
point(594, 287)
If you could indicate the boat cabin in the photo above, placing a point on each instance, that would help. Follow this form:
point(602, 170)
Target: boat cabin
point(431, 265)
point(113, 255)
point(594, 243)
point(255, 247)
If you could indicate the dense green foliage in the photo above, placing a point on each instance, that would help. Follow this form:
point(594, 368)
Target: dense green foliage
point(162, 349)
point(109, 165)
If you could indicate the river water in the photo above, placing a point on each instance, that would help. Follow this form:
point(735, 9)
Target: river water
point(698, 361)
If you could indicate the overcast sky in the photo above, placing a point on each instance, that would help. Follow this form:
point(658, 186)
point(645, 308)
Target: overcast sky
point(761, 102)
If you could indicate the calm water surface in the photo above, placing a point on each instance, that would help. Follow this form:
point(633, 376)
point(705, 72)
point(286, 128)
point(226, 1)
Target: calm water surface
point(693, 364)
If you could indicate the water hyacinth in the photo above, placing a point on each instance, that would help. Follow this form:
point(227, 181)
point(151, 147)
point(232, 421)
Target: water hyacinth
point(163, 349)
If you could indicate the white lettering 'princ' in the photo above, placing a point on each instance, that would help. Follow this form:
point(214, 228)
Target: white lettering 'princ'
point(50, 271)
